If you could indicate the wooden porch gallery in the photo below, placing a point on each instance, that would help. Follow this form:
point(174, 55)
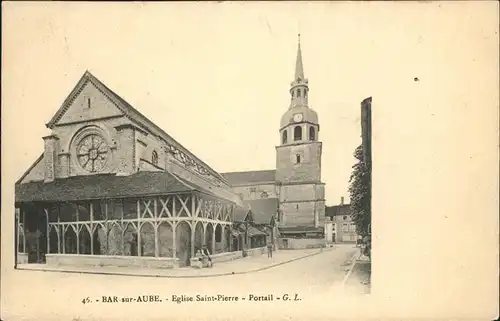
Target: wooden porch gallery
point(167, 228)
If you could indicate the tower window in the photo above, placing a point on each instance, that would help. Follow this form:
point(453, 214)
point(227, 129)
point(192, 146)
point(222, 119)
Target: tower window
point(88, 102)
point(298, 92)
point(297, 207)
point(154, 158)
point(297, 133)
point(312, 133)
point(285, 137)
point(297, 158)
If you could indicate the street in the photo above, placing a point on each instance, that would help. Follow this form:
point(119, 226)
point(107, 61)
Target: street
point(303, 279)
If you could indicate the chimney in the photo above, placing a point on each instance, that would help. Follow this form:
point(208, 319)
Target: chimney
point(342, 200)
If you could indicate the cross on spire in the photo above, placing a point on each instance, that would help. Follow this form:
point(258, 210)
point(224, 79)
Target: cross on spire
point(299, 68)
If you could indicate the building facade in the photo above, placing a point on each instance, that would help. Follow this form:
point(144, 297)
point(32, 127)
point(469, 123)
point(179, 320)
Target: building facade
point(296, 181)
point(111, 187)
point(343, 227)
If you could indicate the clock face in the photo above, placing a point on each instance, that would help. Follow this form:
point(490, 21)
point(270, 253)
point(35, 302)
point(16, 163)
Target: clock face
point(92, 153)
point(297, 117)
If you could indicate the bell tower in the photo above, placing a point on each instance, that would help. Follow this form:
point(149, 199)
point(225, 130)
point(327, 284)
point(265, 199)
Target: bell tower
point(298, 156)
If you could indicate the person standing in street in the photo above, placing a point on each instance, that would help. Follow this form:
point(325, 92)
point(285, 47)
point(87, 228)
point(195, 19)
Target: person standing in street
point(269, 250)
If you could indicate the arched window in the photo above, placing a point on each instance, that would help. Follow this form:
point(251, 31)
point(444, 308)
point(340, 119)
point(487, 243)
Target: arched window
point(285, 137)
point(297, 158)
point(298, 92)
point(312, 133)
point(297, 133)
point(305, 93)
point(154, 158)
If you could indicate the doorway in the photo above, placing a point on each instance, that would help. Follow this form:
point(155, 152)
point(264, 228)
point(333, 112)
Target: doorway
point(35, 233)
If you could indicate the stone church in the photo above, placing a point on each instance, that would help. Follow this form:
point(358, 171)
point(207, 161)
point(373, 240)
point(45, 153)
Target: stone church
point(111, 185)
point(295, 184)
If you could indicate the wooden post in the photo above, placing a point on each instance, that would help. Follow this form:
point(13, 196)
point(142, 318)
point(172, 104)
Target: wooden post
point(91, 228)
point(47, 231)
point(157, 249)
point(193, 231)
point(174, 246)
point(77, 230)
point(138, 229)
point(214, 230)
point(24, 231)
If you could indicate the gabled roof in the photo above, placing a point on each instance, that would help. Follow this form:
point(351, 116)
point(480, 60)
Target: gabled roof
point(263, 209)
point(30, 168)
point(104, 186)
point(335, 210)
point(129, 111)
point(240, 213)
point(250, 177)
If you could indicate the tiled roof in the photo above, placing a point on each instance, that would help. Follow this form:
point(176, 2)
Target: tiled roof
point(252, 231)
point(251, 177)
point(338, 210)
point(104, 186)
point(263, 209)
point(240, 213)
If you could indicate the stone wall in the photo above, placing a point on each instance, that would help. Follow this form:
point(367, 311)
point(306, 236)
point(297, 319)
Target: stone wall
point(297, 214)
point(22, 258)
point(309, 168)
point(253, 192)
point(104, 260)
point(255, 251)
point(293, 244)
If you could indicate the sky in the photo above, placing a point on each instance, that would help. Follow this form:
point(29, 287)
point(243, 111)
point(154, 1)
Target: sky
point(215, 76)
point(216, 79)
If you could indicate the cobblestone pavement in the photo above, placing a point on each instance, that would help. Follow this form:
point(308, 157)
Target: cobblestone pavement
point(243, 265)
point(39, 295)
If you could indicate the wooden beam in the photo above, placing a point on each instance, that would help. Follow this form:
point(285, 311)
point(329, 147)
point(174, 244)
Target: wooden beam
point(138, 228)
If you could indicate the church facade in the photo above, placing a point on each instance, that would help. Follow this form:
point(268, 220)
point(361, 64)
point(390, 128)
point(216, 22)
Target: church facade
point(113, 188)
point(296, 182)
point(111, 185)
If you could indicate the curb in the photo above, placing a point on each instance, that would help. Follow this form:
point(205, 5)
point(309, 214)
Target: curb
point(176, 276)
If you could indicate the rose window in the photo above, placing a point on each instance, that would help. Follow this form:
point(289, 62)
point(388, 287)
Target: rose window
point(92, 153)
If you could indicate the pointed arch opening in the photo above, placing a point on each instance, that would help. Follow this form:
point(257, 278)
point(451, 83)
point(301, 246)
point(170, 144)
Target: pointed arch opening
point(99, 241)
point(115, 240)
point(312, 133)
point(297, 133)
point(130, 241)
point(84, 240)
point(70, 241)
point(54, 240)
point(183, 243)
point(209, 237)
point(165, 240)
point(198, 237)
point(147, 239)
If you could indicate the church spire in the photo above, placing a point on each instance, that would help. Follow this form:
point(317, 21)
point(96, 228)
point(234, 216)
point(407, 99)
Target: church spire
point(299, 86)
point(299, 68)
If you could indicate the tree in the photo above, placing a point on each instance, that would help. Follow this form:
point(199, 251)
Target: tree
point(360, 195)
